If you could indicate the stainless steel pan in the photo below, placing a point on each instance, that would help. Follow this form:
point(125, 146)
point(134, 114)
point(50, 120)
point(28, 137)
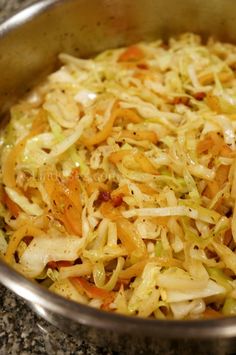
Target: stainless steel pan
point(29, 44)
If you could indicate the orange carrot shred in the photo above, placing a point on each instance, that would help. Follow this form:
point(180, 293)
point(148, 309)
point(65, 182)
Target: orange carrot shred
point(215, 145)
point(101, 136)
point(131, 54)
point(211, 313)
point(91, 290)
point(227, 237)
point(11, 205)
point(66, 203)
point(58, 264)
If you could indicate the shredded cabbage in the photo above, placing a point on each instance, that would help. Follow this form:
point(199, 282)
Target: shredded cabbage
point(211, 289)
point(50, 248)
point(118, 181)
point(30, 208)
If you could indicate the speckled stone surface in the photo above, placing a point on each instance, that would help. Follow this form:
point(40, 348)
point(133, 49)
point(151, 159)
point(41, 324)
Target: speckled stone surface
point(9, 7)
point(24, 333)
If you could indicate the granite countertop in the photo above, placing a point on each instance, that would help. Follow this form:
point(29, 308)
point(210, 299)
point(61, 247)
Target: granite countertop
point(21, 331)
point(24, 333)
point(8, 7)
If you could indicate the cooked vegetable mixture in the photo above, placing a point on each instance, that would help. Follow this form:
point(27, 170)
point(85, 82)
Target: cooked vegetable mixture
point(118, 180)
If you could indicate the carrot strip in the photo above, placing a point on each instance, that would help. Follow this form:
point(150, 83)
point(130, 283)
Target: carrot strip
point(116, 157)
point(213, 102)
point(108, 211)
point(101, 136)
point(205, 144)
point(139, 74)
point(146, 189)
point(26, 230)
point(128, 115)
point(74, 191)
point(227, 237)
point(91, 290)
point(137, 268)
point(214, 144)
point(227, 152)
point(121, 190)
point(58, 264)
point(145, 163)
point(40, 121)
point(133, 270)
point(131, 54)
point(140, 135)
point(208, 78)
point(211, 313)
point(68, 215)
point(211, 190)
point(168, 261)
point(11, 205)
point(213, 187)
point(72, 219)
point(130, 237)
point(161, 221)
point(124, 190)
point(232, 116)
point(52, 265)
point(66, 202)
point(222, 175)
